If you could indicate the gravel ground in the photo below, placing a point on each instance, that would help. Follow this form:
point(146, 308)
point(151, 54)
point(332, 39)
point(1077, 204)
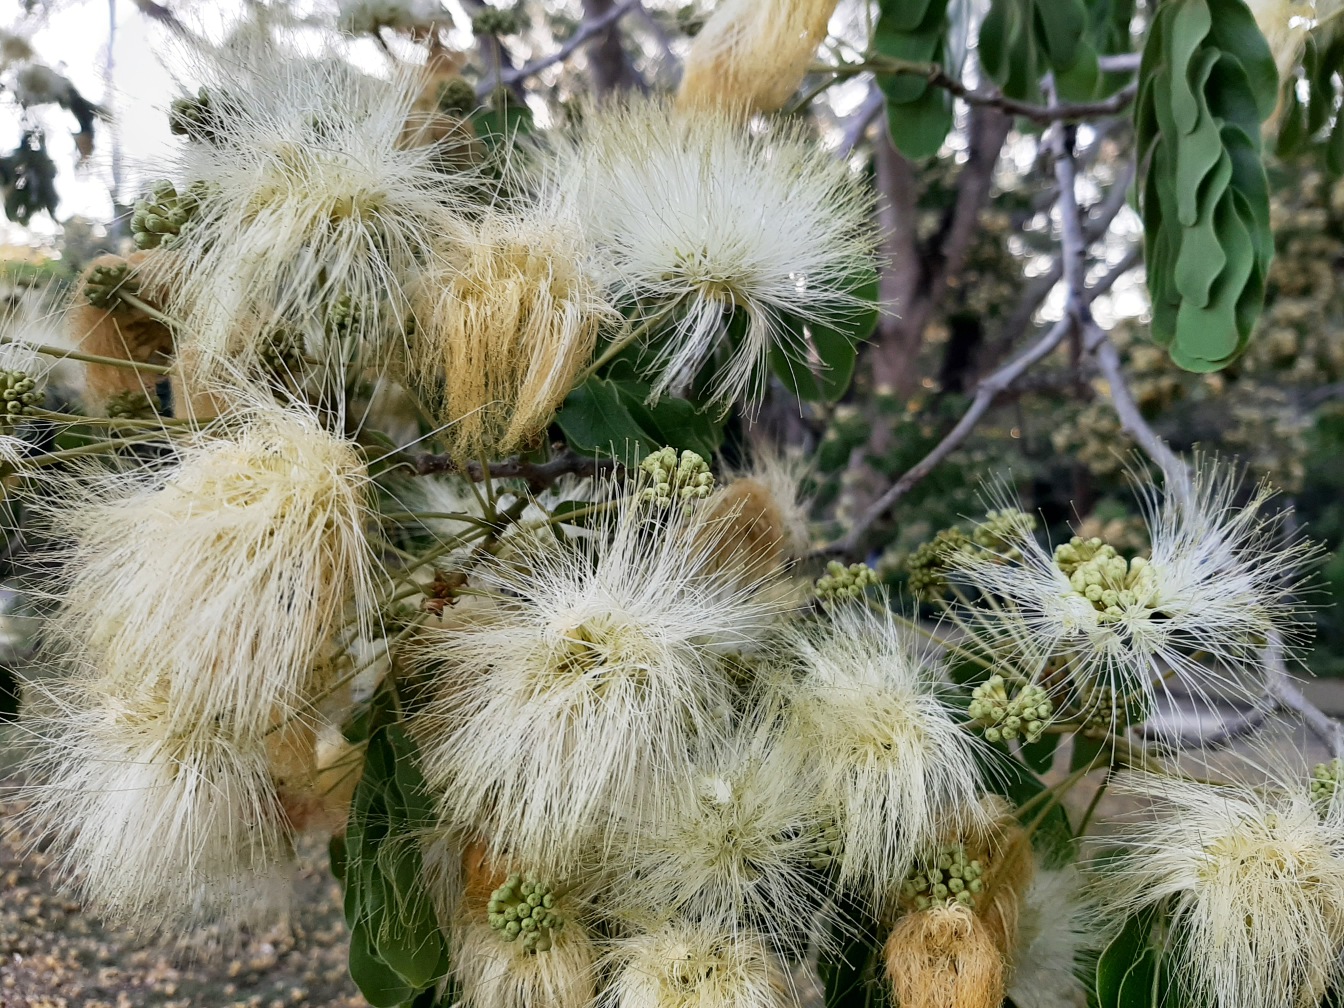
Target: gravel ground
point(52, 955)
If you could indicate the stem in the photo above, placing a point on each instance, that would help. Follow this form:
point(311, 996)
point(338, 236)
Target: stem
point(1092, 805)
point(147, 309)
point(55, 351)
point(614, 350)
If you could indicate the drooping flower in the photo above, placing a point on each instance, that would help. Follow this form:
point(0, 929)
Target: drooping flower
point(1057, 930)
point(157, 825)
point(690, 963)
point(751, 56)
point(1253, 881)
point(576, 697)
point(309, 213)
point(897, 769)
point(215, 580)
point(1218, 582)
point(729, 239)
point(504, 324)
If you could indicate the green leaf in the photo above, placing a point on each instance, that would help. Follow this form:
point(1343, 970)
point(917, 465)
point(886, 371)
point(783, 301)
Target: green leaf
point(1087, 752)
point(919, 127)
point(596, 420)
point(672, 420)
point(378, 982)
point(1235, 32)
point(1189, 25)
point(1127, 970)
point(1040, 755)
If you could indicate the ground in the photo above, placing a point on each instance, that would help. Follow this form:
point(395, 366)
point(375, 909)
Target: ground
point(53, 955)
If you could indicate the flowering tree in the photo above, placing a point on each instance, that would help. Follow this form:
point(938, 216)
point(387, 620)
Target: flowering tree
point(421, 484)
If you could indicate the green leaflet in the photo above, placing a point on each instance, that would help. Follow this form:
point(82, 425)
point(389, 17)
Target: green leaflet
point(1022, 40)
point(919, 116)
point(397, 951)
point(1207, 81)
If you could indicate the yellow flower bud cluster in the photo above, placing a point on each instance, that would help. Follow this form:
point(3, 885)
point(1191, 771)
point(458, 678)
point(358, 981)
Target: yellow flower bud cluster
point(685, 480)
point(1005, 718)
point(1113, 585)
point(840, 583)
point(949, 878)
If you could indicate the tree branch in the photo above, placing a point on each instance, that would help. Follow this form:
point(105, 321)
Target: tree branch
point(1042, 114)
point(611, 67)
point(589, 30)
point(538, 475)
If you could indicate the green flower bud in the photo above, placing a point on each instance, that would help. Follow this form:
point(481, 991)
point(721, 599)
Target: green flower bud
point(685, 480)
point(955, 879)
point(522, 908)
point(840, 582)
point(103, 285)
point(1007, 718)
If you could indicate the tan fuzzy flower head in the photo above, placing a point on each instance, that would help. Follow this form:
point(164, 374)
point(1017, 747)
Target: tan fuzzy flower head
point(751, 55)
point(503, 327)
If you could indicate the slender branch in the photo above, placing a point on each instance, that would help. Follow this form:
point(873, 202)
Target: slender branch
point(989, 389)
point(538, 475)
point(940, 78)
point(55, 351)
point(591, 29)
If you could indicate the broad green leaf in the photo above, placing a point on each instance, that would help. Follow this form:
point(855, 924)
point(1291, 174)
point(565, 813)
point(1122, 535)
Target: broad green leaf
point(1190, 23)
point(1235, 32)
point(1202, 258)
point(919, 127)
point(596, 420)
point(1127, 969)
point(1040, 755)
point(378, 982)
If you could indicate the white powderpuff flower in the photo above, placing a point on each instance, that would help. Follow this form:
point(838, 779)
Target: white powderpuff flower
point(1219, 582)
point(690, 963)
point(742, 839)
point(1056, 931)
point(575, 699)
point(157, 826)
point(497, 973)
point(308, 208)
point(1253, 880)
point(740, 235)
point(898, 771)
point(215, 580)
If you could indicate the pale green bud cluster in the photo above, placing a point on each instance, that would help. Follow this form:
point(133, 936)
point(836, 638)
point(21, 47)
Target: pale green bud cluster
point(830, 847)
point(160, 219)
point(685, 480)
point(1111, 583)
point(104, 284)
point(493, 21)
point(928, 565)
point(1325, 781)
point(525, 909)
point(457, 95)
point(1002, 529)
point(192, 117)
point(840, 582)
point(1025, 715)
point(20, 395)
point(130, 406)
point(950, 878)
